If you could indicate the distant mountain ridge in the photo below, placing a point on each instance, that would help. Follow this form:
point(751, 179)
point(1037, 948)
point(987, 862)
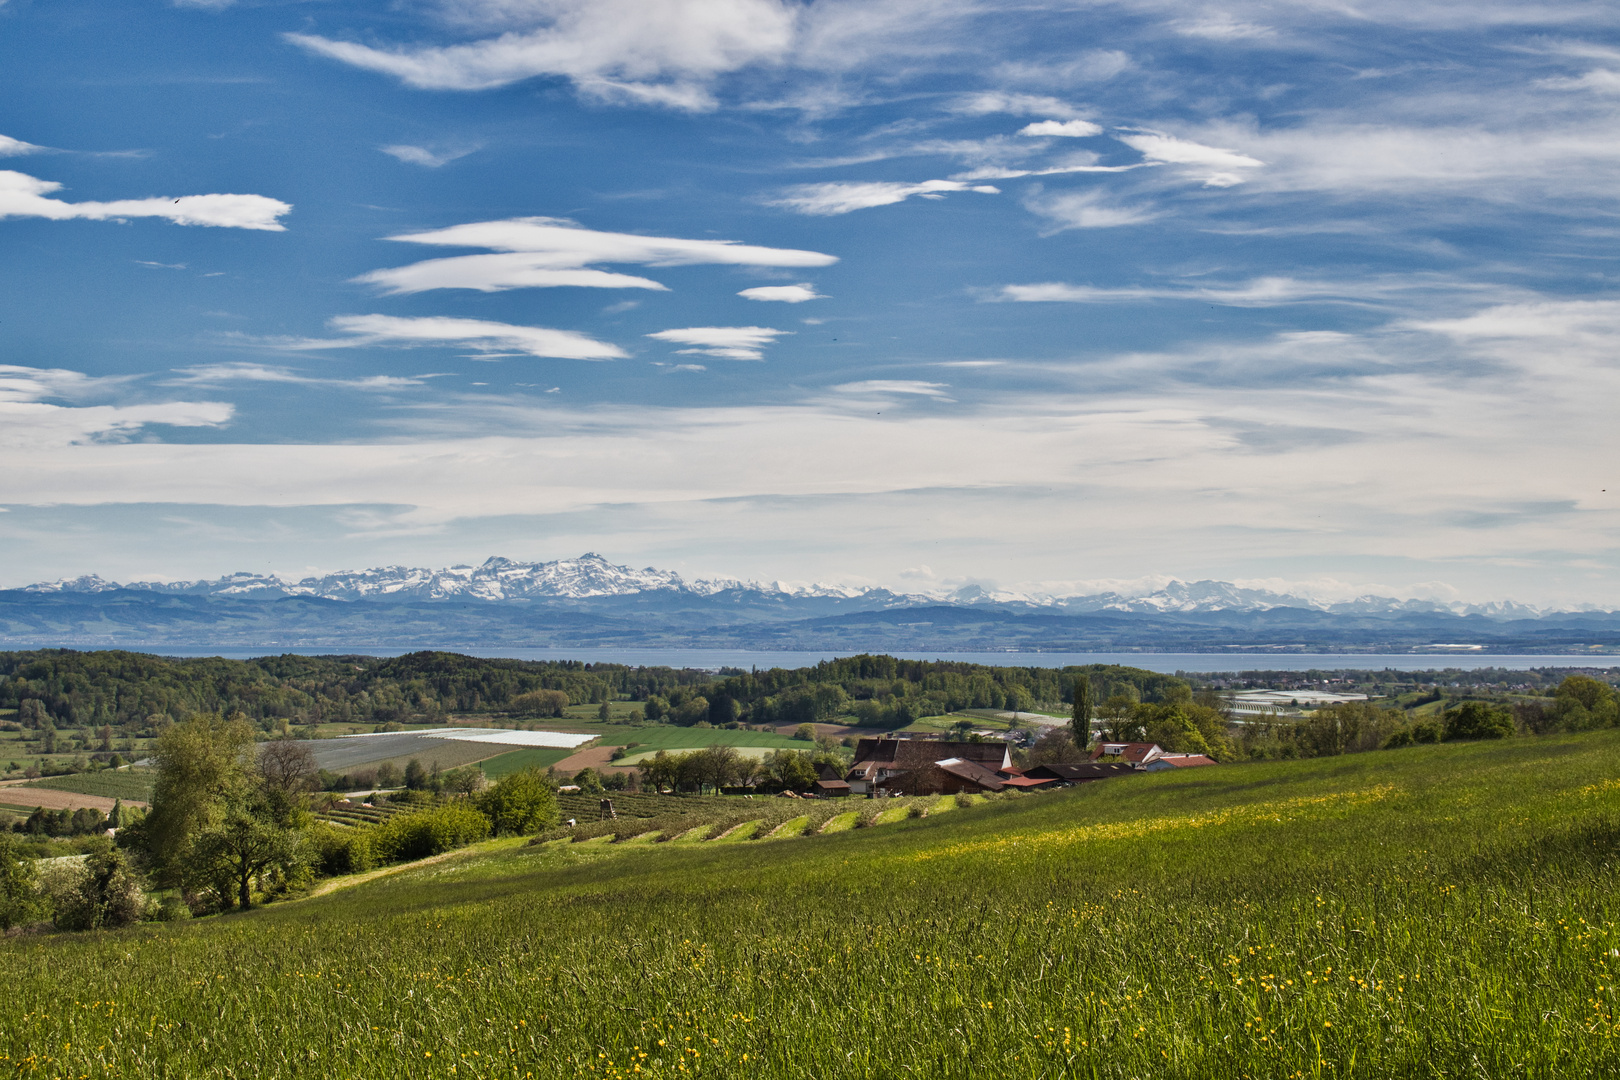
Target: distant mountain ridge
point(592, 576)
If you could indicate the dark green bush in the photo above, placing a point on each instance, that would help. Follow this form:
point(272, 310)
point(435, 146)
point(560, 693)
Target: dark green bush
point(1477, 720)
point(340, 850)
point(428, 832)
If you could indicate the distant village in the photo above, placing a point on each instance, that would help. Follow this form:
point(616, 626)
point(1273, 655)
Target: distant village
point(930, 766)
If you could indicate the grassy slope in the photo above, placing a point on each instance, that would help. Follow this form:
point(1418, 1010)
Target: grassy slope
point(1439, 911)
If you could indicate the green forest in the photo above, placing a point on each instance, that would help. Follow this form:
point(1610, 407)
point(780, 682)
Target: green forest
point(132, 691)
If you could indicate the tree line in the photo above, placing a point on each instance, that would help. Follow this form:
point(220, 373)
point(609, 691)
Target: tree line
point(1198, 722)
point(233, 819)
point(95, 702)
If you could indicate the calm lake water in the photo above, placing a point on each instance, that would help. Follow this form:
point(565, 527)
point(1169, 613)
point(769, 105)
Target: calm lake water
point(1169, 663)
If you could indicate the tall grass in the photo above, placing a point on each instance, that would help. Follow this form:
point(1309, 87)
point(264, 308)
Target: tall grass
point(1440, 911)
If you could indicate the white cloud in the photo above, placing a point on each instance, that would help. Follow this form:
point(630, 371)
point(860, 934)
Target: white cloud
point(10, 147)
point(1155, 146)
point(1221, 27)
point(1544, 159)
point(1073, 129)
point(29, 420)
point(990, 102)
point(1085, 210)
point(218, 374)
point(1600, 81)
point(786, 294)
point(1424, 446)
point(489, 339)
point(542, 252)
point(844, 196)
point(895, 386)
point(726, 342)
point(652, 51)
point(1269, 291)
point(1096, 65)
point(1075, 164)
point(25, 196)
point(420, 155)
point(1588, 324)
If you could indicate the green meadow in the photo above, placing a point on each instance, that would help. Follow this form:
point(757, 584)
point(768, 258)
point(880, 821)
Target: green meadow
point(1437, 911)
point(656, 737)
point(109, 784)
point(537, 757)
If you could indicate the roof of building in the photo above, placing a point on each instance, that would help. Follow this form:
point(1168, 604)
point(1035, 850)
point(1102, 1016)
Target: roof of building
point(1184, 761)
point(1089, 770)
point(973, 772)
point(1137, 753)
point(833, 786)
point(897, 754)
point(1028, 781)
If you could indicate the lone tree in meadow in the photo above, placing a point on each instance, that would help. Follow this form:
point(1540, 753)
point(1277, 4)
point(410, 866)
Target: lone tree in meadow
point(1080, 725)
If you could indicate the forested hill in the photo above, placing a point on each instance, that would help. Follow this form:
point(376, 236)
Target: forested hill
point(130, 691)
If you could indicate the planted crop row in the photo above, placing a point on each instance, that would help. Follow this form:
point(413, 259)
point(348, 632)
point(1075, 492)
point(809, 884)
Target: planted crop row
point(589, 807)
point(722, 815)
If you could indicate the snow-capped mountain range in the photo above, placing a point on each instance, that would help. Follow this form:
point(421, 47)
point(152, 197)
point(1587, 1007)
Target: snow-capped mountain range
point(593, 576)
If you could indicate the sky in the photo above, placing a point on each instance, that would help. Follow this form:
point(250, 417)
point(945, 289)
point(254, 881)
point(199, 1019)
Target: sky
point(1051, 296)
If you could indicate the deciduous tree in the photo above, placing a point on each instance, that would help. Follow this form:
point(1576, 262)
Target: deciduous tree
point(520, 802)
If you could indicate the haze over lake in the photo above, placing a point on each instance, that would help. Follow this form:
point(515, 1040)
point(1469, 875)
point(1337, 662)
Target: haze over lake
point(1169, 663)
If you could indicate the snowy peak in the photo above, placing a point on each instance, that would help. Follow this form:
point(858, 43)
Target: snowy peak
point(592, 576)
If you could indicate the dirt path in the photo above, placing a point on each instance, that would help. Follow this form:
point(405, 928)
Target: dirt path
point(334, 884)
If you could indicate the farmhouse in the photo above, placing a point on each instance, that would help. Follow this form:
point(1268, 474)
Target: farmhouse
point(928, 766)
point(829, 782)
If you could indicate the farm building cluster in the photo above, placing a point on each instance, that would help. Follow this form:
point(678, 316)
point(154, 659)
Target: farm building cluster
point(889, 766)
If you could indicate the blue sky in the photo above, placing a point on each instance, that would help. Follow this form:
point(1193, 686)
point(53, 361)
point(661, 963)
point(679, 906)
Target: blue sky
point(904, 292)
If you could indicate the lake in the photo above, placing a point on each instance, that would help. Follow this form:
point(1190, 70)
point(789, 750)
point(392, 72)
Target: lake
point(1169, 663)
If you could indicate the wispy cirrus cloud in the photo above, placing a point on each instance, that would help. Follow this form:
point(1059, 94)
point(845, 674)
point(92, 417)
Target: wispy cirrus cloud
point(1268, 291)
point(1086, 209)
point(428, 159)
point(543, 252)
point(221, 374)
point(726, 342)
point(489, 339)
point(26, 196)
point(659, 52)
point(845, 196)
point(990, 102)
point(29, 417)
point(886, 387)
point(1170, 150)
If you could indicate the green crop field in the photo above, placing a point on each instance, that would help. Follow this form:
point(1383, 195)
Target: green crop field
point(1438, 911)
point(109, 784)
point(539, 757)
point(666, 737)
